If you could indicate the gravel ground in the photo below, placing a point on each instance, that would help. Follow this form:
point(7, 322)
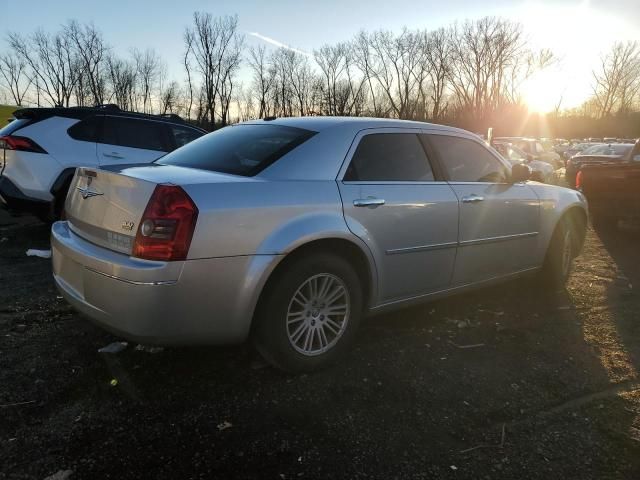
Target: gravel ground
point(502, 383)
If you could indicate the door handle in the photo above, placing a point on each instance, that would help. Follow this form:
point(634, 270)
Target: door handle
point(368, 202)
point(113, 155)
point(473, 198)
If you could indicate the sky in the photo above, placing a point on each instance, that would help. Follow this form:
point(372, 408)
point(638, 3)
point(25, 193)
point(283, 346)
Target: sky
point(578, 31)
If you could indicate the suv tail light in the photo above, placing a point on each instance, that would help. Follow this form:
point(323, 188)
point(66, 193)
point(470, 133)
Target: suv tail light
point(23, 144)
point(167, 225)
point(579, 180)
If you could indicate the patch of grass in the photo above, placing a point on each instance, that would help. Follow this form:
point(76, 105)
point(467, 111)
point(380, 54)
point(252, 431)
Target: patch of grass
point(5, 114)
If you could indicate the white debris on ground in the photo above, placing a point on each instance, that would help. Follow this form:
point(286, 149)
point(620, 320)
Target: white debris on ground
point(149, 349)
point(38, 253)
point(115, 347)
point(224, 425)
point(60, 475)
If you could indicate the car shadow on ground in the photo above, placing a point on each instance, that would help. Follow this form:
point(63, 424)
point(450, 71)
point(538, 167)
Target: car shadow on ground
point(495, 382)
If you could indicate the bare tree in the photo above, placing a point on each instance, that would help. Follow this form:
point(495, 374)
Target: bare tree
point(148, 67)
point(122, 80)
point(263, 79)
point(215, 47)
point(618, 79)
point(438, 57)
point(188, 41)
point(90, 51)
point(14, 77)
point(52, 62)
point(169, 98)
point(490, 61)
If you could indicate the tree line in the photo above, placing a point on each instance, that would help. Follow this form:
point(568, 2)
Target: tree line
point(468, 74)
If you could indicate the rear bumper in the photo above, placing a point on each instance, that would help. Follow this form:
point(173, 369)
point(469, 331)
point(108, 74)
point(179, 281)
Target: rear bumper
point(207, 301)
point(11, 198)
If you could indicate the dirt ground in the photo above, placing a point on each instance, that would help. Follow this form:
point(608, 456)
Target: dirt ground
point(502, 383)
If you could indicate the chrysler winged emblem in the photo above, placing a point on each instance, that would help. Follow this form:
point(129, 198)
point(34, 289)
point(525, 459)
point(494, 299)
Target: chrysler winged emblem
point(87, 192)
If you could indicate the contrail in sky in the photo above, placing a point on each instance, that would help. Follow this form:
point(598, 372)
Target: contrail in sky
point(275, 42)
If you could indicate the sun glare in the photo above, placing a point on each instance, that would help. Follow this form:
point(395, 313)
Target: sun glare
point(577, 33)
point(543, 91)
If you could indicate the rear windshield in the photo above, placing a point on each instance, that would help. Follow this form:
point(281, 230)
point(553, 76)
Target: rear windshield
point(616, 149)
point(13, 126)
point(239, 150)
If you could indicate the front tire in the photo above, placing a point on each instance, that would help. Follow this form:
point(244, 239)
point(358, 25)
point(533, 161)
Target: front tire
point(560, 254)
point(309, 314)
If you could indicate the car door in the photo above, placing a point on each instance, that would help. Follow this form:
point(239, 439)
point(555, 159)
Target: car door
point(395, 202)
point(499, 221)
point(131, 140)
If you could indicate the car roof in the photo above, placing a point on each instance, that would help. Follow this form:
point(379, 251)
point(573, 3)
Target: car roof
point(84, 112)
point(318, 123)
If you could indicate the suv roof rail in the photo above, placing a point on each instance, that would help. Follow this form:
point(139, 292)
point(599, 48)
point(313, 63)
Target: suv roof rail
point(171, 116)
point(108, 106)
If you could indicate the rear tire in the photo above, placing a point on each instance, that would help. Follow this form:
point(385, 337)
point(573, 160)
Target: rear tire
point(560, 254)
point(309, 313)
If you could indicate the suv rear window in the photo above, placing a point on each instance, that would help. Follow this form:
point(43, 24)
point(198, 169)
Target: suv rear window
point(239, 150)
point(13, 126)
point(183, 135)
point(86, 130)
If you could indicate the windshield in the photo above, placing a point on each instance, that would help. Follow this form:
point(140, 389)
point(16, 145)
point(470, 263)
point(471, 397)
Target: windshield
point(239, 150)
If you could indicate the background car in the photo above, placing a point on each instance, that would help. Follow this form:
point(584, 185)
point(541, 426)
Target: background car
point(612, 189)
point(540, 171)
point(576, 148)
point(287, 231)
point(41, 148)
point(602, 153)
point(535, 148)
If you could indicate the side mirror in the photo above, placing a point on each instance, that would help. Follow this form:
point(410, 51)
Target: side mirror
point(520, 173)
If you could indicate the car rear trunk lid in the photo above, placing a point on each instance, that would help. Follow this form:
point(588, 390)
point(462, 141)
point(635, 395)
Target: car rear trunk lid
point(105, 207)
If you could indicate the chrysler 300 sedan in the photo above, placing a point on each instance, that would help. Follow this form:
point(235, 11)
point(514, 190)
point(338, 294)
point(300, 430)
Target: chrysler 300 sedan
point(289, 231)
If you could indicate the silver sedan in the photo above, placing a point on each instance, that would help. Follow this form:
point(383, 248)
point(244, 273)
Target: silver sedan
point(289, 231)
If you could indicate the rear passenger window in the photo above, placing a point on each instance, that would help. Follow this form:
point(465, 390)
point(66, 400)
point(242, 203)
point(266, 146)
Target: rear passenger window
point(467, 161)
point(390, 157)
point(133, 133)
point(183, 135)
point(86, 130)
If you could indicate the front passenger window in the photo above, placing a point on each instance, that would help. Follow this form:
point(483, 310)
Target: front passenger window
point(389, 157)
point(467, 161)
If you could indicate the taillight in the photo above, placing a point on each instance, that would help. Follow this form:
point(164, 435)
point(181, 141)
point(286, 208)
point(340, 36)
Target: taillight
point(167, 225)
point(579, 180)
point(23, 144)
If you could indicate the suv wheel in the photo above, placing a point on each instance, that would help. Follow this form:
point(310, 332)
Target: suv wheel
point(310, 313)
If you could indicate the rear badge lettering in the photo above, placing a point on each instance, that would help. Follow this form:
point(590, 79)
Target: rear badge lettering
point(128, 226)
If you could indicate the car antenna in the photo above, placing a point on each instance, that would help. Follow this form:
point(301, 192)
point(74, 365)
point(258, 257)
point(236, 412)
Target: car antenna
point(269, 119)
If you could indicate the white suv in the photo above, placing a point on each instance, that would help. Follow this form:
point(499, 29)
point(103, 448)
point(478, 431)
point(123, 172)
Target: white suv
point(41, 148)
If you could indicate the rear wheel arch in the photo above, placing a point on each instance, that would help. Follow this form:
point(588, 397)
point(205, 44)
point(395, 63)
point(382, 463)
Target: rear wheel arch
point(348, 250)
